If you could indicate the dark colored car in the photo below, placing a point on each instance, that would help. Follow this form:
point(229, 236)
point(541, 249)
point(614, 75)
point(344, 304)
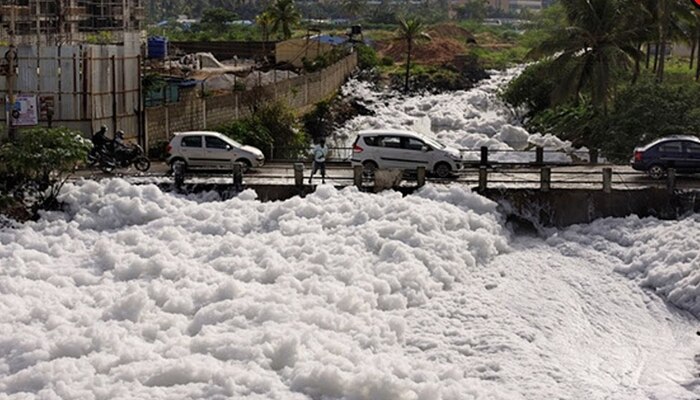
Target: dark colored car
point(681, 153)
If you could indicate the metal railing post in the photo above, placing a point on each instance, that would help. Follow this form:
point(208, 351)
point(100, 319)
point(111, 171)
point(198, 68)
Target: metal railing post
point(483, 179)
point(539, 155)
point(545, 179)
point(420, 176)
point(357, 176)
point(607, 180)
point(299, 174)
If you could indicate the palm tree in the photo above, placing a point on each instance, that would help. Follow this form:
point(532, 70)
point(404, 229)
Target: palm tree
point(588, 53)
point(285, 16)
point(411, 30)
point(265, 21)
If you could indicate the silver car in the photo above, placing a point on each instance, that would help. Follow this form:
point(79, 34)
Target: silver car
point(211, 150)
point(399, 149)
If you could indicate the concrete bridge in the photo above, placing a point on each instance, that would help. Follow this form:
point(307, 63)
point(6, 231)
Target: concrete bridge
point(547, 195)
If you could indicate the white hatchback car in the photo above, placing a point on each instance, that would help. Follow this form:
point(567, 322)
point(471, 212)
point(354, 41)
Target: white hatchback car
point(404, 150)
point(211, 150)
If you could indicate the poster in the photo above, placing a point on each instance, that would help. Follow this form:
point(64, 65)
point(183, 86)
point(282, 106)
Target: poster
point(25, 111)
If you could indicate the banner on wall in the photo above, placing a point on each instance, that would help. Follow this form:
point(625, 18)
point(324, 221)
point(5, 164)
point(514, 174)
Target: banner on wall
point(25, 111)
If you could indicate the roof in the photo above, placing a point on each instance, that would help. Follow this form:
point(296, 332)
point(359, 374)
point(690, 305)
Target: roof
point(330, 39)
point(190, 133)
point(399, 132)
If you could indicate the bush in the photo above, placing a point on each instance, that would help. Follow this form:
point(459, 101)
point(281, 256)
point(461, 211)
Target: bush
point(157, 150)
point(387, 61)
point(273, 124)
point(366, 56)
point(532, 89)
point(37, 164)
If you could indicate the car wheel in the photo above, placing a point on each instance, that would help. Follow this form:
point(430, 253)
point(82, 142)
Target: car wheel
point(443, 170)
point(369, 168)
point(656, 171)
point(247, 165)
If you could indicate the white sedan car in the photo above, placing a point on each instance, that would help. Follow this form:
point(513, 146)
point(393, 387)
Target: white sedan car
point(211, 150)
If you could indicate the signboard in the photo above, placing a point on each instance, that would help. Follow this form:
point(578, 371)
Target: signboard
point(25, 111)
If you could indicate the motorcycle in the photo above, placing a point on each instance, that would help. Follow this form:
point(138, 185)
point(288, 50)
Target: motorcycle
point(121, 157)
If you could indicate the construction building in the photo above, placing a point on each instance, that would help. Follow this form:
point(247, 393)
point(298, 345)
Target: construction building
point(69, 21)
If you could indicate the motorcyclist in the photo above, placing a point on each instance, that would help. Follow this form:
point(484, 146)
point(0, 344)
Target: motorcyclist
point(99, 139)
point(119, 147)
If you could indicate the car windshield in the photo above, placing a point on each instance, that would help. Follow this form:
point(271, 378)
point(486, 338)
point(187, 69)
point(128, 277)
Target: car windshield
point(434, 143)
point(233, 142)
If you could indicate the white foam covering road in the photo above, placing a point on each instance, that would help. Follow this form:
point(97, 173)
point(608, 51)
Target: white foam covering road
point(135, 293)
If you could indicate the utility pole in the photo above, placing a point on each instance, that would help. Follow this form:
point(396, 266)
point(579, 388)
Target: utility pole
point(11, 57)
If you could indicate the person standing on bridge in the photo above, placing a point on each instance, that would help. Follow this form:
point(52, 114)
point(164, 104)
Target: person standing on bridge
point(320, 152)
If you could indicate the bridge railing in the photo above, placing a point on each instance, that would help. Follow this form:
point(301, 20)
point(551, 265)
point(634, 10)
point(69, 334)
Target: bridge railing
point(472, 157)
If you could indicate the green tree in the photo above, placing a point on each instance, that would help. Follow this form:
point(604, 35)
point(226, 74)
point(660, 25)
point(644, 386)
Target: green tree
point(265, 21)
point(589, 54)
point(285, 16)
point(217, 19)
point(353, 7)
point(473, 9)
point(410, 30)
point(36, 166)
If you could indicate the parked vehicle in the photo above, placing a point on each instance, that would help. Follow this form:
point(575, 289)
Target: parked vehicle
point(681, 153)
point(211, 150)
point(406, 150)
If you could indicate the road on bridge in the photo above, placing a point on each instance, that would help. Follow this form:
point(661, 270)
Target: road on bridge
point(341, 174)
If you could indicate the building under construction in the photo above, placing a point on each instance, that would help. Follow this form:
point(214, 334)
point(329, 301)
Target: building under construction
point(70, 21)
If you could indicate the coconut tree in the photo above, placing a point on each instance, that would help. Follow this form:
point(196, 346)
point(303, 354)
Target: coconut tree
point(265, 21)
point(588, 53)
point(284, 16)
point(410, 30)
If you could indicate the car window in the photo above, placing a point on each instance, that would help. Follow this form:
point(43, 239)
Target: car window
point(191, 141)
point(390, 141)
point(413, 144)
point(670, 147)
point(371, 140)
point(693, 148)
point(214, 142)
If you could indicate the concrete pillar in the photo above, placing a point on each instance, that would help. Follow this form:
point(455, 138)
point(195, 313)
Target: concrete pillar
point(299, 174)
point(607, 180)
point(238, 176)
point(545, 179)
point(483, 178)
point(671, 180)
point(179, 174)
point(484, 156)
point(420, 176)
point(593, 155)
point(357, 176)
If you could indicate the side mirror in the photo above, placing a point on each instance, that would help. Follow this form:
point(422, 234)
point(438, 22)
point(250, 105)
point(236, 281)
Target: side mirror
point(229, 147)
point(425, 149)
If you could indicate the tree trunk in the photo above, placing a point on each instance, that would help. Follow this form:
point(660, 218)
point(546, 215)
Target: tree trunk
point(637, 62)
point(697, 62)
point(656, 56)
point(408, 65)
point(662, 62)
point(693, 45)
point(648, 54)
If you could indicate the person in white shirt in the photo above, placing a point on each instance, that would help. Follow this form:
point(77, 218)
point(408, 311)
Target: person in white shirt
point(319, 152)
